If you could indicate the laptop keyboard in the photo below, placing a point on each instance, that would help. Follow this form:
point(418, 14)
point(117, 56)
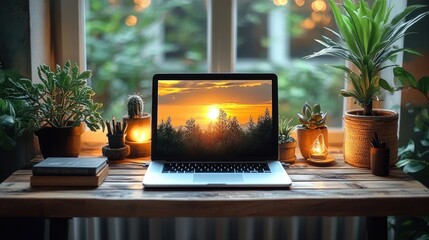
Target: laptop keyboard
point(216, 168)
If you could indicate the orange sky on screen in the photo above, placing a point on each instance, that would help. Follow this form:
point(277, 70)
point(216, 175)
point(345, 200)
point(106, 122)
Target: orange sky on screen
point(201, 100)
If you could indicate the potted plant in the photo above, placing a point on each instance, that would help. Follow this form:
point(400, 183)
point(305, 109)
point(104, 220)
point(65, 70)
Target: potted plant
point(139, 127)
point(15, 117)
point(367, 37)
point(61, 106)
point(414, 157)
point(16, 138)
point(412, 160)
point(313, 125)
point(287, 143)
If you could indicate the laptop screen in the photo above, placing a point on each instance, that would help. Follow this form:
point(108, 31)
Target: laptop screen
point(214, 117)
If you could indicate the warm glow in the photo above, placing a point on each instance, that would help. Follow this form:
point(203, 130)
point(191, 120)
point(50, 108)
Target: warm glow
point(326, 19)
point(280, 2)
point(316, 16)
point(318, 149)
point(114, 2)
point(308, 24)
point(300, 3)
point(139, 135)
point(131, 20)
point(318, 5)
point(141, 5)
point(213, 112)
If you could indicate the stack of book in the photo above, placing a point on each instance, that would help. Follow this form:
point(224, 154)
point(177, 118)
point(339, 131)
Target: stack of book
point(64, 171)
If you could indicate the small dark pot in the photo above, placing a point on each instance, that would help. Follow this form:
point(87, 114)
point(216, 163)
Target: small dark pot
point(60, 142)
point(379, 158)
point(116, 141)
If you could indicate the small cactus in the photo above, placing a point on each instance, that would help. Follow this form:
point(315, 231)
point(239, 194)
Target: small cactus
point(135, 106)
point(312, 117)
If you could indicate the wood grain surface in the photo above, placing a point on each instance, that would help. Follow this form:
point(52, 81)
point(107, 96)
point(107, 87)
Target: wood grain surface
point(336, 190)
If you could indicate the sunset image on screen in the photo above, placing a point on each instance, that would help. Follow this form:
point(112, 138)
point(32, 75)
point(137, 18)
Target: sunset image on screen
point(214, 116)
point(204, 100)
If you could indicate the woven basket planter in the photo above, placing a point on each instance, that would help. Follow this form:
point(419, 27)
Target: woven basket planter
point(359, 130)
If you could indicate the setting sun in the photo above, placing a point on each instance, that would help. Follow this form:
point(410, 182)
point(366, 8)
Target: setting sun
point(213, 112)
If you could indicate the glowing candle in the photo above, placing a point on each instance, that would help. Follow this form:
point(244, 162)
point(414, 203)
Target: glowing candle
point(318, 149)
point(139, 135)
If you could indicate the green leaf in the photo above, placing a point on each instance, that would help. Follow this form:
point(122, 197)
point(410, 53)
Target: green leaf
point(424, 85)
point(316, 108)
point(414, 166)
point(385, 85)
point(402, 163)
point(406, 78)
point(85, 75)
point(421, 121)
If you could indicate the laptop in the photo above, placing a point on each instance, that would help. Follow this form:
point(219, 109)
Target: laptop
point(215, 130)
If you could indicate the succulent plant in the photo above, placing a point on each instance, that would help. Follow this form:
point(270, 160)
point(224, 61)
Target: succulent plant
point(135, 106)
point(312, 117)
point(285, 130)
point(62, 99)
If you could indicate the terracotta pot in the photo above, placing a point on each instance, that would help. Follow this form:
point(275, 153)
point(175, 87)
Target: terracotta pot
point(287, 152)
point(359, 130)
point(306, 138)
point(60, 142)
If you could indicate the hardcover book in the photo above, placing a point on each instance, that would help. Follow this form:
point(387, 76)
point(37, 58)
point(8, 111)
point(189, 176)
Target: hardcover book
point(70, 181)
point(69, 166)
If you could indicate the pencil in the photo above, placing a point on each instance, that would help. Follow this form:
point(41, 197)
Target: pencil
point(109, 130)
point(113, 125)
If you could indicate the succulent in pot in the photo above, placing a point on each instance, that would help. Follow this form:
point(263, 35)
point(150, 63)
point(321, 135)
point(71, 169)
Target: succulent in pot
point(313, 123)
point(61, 107)
point(287, 143)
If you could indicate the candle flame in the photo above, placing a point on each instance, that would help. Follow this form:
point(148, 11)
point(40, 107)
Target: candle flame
point(139, 135)
point(318, 149)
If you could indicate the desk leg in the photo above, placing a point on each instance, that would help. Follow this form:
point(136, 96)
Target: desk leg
point(59, 228)
point(376, 228)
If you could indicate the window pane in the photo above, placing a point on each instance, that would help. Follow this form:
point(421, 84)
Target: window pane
point(129, 41)
point(275, 38)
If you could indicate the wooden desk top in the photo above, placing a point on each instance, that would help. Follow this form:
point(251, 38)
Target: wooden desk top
point(338, 190)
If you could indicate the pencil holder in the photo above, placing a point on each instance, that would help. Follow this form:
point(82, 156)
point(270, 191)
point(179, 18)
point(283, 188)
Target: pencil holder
point(116, 141)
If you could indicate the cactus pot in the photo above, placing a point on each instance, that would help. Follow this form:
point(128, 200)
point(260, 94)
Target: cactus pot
point(306, 138)
point(358, 132)
point(139, 129)
point(138, 135)
point(287, 152)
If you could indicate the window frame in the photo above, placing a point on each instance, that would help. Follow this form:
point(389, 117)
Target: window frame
point(221, 50)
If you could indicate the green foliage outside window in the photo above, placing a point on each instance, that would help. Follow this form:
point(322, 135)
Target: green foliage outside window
point(124, 58)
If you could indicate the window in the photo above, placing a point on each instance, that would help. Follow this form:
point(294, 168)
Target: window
point(129, 41)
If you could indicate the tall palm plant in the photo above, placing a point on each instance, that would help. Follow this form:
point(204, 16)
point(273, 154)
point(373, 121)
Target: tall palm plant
point(367, 37)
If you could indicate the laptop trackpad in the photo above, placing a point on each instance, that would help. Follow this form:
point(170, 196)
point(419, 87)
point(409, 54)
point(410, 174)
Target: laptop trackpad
point(218, 178)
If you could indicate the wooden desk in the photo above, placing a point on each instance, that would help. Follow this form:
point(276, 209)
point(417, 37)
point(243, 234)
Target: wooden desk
point(338, 190)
